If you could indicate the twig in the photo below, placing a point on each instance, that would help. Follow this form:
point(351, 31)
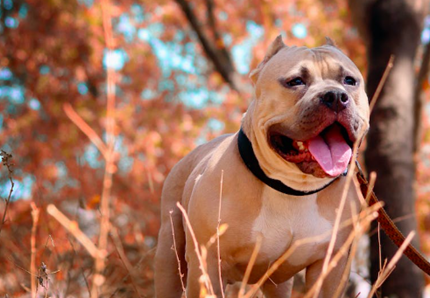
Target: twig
point(69, 272)
point(98, 278)
point(379, 246)
point(81, 269)
point(354, 246)
point(250, 265)
point(41, 275)
point(47, 240)
point(205, 274)
point(358, 231)
point(85, 128)
point(351, 173)
point(347, 270)
point(86, 281)
point(395, 220)
point(73, 228)
point(381, 83)
point(218, 234)
point(181, 275)
point(281, 260)
point(35, 217)
point(391, 265)
point(124, 260)
point(370, 212)
point(128, 274)
point(372, 180)
point(6, 157)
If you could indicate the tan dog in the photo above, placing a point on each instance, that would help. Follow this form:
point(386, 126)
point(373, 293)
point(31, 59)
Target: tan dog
point(282, 177)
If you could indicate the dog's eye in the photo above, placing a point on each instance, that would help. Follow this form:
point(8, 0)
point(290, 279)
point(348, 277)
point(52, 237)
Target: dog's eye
point(295, 82)
point(350, 81)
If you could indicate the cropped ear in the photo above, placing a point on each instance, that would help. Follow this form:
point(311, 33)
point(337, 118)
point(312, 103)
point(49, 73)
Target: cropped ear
point(274, 48)
point(330, 42)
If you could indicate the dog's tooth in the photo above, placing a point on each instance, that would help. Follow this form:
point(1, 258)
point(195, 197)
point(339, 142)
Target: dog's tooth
point(300, 146)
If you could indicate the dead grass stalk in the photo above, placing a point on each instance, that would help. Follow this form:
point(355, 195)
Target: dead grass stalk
point(6, 160)
point(35, 218)
point(199, 252)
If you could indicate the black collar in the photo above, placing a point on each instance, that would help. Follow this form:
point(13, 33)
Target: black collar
point(250, 160)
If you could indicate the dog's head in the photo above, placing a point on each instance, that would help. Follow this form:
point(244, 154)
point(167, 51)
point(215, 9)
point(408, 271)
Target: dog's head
point(309, 108)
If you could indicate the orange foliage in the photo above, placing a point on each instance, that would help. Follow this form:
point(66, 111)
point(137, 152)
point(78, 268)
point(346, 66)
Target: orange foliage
point(65, 39)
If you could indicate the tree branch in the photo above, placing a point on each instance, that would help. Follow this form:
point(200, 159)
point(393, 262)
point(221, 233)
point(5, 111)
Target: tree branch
point(6, 157)
point(223, 65)
point(219, 42)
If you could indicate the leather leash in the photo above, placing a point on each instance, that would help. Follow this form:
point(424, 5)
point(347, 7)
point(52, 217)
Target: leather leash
point(390, 228)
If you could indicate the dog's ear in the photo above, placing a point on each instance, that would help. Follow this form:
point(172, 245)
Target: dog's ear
point(330, 42)
point(274, 48)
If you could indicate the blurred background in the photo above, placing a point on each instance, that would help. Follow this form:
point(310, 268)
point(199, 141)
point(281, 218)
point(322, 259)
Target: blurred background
point(175, 74)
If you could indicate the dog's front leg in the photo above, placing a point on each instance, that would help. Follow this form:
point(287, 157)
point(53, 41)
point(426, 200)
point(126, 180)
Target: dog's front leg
point(167, 278)
point(195, 273)
point(331, 283)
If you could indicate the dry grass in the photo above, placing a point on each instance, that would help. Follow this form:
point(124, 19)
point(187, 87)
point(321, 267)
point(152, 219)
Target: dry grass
point(6, 160)
point(99, 257)
point(360, 222)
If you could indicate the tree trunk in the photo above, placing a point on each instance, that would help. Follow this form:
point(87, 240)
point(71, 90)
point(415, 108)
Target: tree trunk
point(392, 28)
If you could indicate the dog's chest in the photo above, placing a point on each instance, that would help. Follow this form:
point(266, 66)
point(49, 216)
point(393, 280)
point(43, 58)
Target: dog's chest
point(285, 219)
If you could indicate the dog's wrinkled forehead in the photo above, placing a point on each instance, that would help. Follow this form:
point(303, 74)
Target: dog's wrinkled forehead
point(284, 61)
point(325, 59)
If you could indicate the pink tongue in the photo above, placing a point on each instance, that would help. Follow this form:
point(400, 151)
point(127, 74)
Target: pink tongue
point(331, 151)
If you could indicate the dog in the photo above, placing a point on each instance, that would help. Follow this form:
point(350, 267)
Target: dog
point(283, 176)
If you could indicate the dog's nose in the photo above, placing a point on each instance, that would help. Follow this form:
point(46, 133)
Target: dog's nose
point(336, 100)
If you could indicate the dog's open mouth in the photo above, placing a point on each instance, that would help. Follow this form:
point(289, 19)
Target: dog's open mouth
point(330, 151)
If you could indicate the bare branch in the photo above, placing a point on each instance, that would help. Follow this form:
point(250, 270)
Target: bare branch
point(381, 83)
point(6, 157)
point(99, 265)
point(340, 210)
point(222, 62)
point(218, 233)
point(124, 260)
point(35, 217)
point(85, 128)
point(219, 42)
point(390, 267)
point(200, 253)
point(73, 228)
point(178, 260)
